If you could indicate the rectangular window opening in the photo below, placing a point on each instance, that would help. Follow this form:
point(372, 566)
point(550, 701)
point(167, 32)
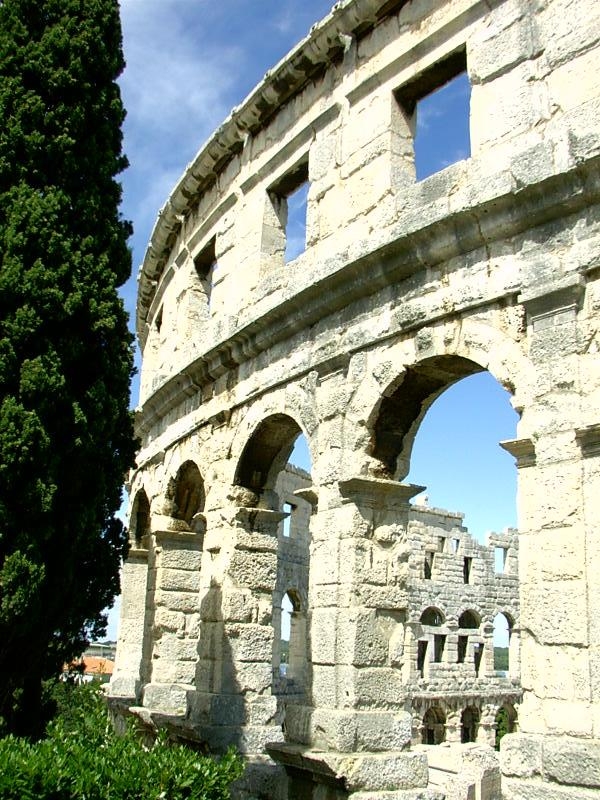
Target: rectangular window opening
point(205, 264)
point(467, 563)
point(477, 656)
point(421, 657)
point(500, 559)
point(428, 565)
point(289, 509)
point(441, 544)
point(455, 543)
point(439, 644)
point(463, 642)
point(437, 103)
point(290, 201)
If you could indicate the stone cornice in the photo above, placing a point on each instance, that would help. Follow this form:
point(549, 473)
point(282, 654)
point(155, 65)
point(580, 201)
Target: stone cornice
point(405, 253)
point(326, 42)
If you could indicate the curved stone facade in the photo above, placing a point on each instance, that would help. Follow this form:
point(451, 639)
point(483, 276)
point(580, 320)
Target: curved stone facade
point(403, 288)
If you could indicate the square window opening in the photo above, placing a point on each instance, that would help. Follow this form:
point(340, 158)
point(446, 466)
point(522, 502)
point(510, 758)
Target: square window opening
point(290, 202)
point(500, 560)
point(289, 509)
point(439, 645)
point(438, 103)
point(421, 657)
point(467, 564)
point(428, 566)
point(477, 657)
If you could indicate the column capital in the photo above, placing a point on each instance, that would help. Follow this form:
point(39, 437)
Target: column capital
point(378, 492)
point(522, 449)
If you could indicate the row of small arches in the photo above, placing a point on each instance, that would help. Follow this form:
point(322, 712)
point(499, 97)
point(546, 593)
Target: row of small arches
point(469, 619)
point(434, 727)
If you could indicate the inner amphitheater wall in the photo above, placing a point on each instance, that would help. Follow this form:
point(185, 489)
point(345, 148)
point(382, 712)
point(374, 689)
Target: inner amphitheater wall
point(404, 287)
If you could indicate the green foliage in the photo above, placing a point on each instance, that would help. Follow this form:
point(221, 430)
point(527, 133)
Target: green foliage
point(66, 435)
point(82, 758)
point(502, 726)
point(501, 658)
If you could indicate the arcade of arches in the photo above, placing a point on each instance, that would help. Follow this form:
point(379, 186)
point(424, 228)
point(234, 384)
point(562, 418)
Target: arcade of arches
point(321, 618)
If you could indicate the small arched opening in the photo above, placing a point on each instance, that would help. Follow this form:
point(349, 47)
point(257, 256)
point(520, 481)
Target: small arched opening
point(292, 638)
point(469, 724)
point(468, 621)
point(140, 519)
point(434, 726)
point(186, 493)
point(505, 722)
point(503, 643)
point(432, 616)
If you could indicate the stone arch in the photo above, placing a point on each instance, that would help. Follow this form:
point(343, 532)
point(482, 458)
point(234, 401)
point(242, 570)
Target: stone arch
point(469, 724)
point(185, 493)
point(469, 619)
point(503, 624)
point(434, 725)
point(505, 722)
point(404, 404)
point(432, 616)
point(139, 525)
point(292, 665)
point(266, 452)
point(426, 365)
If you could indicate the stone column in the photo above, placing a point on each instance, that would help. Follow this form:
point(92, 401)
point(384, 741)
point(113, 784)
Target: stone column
point(558, 748)
point(358, 726)
point(174, 635)
point(126, 682)
point(234, 703)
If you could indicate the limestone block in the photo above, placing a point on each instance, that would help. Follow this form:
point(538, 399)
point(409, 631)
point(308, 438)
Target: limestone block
point(510, 104)
point(167, 620)
point(378, 687)
point(559, 23)
point(379, 731)
point(250, 676)
point(521, 755)
point(254, 570)
point(181, 559)
point(174, 648)
point(249, 642)
point(494, 50)
point(519, 789)
point(169, 698)
point(179, 580)
point(572, 761)
point(387, 772)
point(540, 604)
point(360, 641)
point(238, 606)
point(323, 625)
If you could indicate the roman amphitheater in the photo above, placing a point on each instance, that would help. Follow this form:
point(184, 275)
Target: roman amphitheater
point(387, 688)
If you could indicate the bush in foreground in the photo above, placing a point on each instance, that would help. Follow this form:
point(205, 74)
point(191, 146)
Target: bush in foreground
point(82, 758)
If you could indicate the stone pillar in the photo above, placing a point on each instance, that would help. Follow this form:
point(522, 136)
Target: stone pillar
point(126, 682)
point(358, 598)
point(174, 635)
point(557, 751)
point(234, 703)
point(453, 725)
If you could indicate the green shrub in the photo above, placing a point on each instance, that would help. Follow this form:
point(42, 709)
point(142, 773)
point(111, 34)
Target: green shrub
point(82, 758)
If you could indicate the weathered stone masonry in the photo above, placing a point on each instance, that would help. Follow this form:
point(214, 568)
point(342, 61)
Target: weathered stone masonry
point(404, 288)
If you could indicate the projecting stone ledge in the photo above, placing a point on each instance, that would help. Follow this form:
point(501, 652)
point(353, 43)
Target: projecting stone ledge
point(360, 776)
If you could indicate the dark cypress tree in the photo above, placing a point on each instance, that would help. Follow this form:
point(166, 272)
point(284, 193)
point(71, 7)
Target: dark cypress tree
point(66, 437)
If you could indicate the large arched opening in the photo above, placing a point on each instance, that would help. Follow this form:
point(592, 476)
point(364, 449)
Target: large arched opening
point(275, 469)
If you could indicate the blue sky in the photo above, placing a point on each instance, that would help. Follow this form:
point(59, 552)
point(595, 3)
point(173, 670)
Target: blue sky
point(188, 63)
